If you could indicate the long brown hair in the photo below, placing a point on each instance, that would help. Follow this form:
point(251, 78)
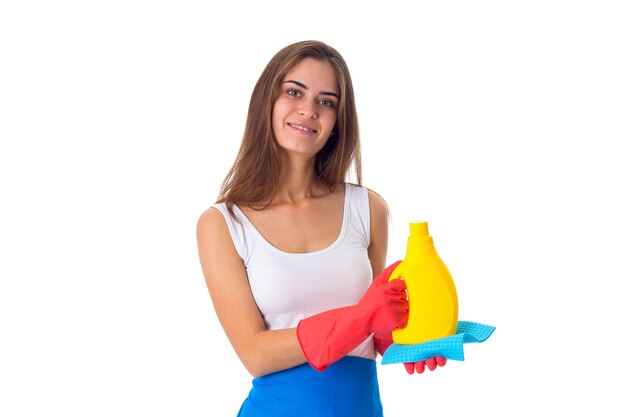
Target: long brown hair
point(253, 178)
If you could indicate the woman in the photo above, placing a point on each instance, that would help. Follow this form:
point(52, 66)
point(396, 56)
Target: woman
point(289, 249)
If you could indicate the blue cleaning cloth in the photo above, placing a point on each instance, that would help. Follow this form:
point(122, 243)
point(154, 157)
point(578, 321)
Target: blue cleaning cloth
point(450, 347)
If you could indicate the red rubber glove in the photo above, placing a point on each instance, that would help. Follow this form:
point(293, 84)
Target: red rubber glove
point(327, 337)
point(383, 340)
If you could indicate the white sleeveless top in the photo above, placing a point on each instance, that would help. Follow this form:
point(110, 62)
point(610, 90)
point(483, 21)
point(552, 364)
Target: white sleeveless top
point(288, 287)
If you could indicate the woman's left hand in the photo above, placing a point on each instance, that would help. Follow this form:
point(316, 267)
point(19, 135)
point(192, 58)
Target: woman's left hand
point(419, 367)
point(383, 340)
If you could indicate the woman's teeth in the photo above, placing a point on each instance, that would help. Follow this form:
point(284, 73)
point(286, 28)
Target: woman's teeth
point(304, 129)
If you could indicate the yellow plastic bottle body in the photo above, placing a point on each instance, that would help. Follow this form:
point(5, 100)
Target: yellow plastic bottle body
point(433, 303)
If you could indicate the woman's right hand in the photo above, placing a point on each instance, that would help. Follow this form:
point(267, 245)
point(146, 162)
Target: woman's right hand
point(385, 302)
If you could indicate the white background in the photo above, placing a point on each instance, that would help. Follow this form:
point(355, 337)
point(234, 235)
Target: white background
point(498, 122)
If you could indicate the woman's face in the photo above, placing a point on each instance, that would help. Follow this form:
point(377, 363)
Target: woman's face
point(305, 111)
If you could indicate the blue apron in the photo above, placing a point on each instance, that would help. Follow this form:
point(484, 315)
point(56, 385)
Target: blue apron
point(347, 388)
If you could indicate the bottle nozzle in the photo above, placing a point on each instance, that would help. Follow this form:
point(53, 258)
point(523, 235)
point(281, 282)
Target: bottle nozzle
point(418, 229)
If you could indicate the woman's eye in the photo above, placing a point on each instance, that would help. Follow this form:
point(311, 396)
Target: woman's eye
point(293, 92)
point(327, 103)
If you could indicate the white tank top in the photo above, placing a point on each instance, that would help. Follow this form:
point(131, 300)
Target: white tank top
point(288, 287)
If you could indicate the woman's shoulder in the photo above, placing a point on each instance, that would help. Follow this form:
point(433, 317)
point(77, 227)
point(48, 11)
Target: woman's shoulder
point(378, 205)
point(211, 223)
point(376, 201)
point(379, 211)
point(211, 214)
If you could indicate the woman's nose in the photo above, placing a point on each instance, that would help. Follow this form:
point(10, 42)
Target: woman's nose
point(307, 110)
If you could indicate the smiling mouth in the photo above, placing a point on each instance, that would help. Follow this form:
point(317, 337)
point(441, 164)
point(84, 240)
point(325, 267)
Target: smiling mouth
point(302, 128)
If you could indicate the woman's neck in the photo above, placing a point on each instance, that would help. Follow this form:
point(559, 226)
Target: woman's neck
point(298, 182)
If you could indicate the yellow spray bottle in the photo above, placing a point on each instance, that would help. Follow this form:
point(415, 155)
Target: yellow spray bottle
point(433, 303)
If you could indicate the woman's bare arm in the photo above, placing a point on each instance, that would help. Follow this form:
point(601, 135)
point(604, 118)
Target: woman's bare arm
point(261, 351)
point(379, 215)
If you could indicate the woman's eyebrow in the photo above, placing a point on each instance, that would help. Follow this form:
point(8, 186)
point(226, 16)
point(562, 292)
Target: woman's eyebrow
point(299, 84)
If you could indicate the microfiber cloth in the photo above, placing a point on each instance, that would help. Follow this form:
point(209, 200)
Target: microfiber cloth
point(450, 347)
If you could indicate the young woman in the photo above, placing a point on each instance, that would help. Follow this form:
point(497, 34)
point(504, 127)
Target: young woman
point(289, 249)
